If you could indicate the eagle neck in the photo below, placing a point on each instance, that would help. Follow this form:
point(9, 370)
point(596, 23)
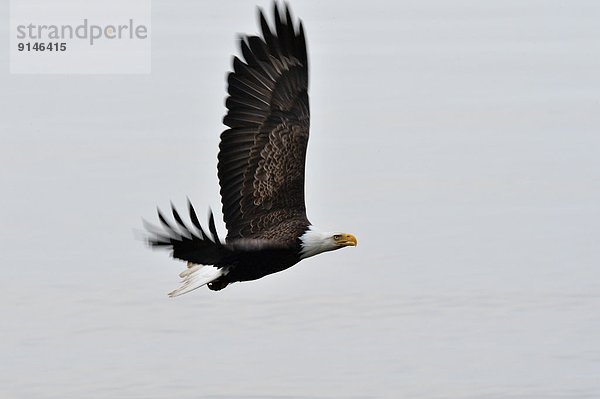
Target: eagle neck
point(313, 242)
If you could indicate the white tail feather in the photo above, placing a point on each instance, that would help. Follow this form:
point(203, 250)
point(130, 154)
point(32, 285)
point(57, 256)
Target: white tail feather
point(195, 276)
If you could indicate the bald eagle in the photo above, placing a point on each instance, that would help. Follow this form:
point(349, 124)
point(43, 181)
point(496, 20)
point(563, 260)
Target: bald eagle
point(260, 168)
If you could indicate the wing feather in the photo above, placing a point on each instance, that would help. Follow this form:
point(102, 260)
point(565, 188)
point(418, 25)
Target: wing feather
point(262, 155)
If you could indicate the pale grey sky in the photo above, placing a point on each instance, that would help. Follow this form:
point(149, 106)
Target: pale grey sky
point(468, 136)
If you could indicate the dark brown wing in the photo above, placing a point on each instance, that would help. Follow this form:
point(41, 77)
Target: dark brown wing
point(262, 155)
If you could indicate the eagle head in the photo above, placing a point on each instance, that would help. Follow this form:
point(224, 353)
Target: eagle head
point(313, 242)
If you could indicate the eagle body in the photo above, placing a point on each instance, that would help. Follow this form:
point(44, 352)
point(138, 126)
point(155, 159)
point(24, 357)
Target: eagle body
point(252, 265)
point(260, 168)
point(250, 259)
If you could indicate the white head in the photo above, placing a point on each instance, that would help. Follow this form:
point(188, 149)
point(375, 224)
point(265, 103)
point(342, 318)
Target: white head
point(314, 242)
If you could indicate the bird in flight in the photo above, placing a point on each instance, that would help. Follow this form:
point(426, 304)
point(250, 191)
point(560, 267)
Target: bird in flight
point(260, 168)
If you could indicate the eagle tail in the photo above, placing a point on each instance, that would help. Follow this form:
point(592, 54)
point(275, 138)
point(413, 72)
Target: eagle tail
point(195, 276)
point(192, 244)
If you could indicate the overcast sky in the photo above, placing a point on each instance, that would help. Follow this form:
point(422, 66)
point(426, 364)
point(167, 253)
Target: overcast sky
point(457, 140)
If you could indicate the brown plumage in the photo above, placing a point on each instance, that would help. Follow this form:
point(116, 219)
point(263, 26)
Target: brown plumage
point(262, 155)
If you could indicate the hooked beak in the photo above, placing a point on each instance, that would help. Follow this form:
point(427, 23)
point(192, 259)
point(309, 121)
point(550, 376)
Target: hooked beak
point(348, 240)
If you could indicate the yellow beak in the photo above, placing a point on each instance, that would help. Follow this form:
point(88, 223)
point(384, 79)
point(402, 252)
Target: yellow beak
point(348, 240)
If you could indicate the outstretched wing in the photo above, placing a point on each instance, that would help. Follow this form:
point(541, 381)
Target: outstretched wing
point(262, 155)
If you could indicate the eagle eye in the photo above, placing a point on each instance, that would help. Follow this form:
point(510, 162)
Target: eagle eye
point(337, 236)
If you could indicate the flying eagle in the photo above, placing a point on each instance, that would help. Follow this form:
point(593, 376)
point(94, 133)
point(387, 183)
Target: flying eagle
point(260, 168)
